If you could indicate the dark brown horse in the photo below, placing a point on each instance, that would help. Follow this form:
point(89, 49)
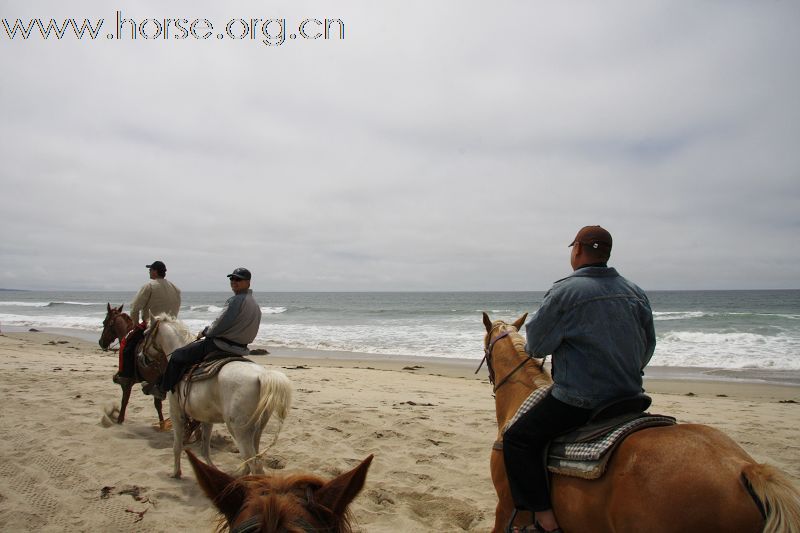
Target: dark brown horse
point(686, 477)
point(116, 326)
point(291, 503)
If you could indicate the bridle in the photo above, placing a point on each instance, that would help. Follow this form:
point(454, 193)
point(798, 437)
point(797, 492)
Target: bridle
point(487, 355)
point(109, 329)
point(253, 524)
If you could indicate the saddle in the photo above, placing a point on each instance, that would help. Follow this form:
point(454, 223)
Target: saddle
point(585, 451)
point(211, 365)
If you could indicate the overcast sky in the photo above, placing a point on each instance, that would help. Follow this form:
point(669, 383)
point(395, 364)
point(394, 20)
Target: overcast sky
point(441, 145)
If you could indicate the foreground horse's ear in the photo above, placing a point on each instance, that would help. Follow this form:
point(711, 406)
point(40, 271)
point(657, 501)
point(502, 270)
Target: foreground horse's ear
point(120, 308)
point(337, 493)
point(215, 484)
point(108, 306)
point(487, 322)
point(520, 321)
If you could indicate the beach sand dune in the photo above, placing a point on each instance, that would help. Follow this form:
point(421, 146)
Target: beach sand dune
point(431, 429)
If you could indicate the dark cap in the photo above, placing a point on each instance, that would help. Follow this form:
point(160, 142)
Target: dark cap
point(158, 265)
point(240, 273)
point(594, 236)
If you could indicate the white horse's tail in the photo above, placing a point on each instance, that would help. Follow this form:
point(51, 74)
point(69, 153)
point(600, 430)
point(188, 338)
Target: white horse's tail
point(275, 398)
point(778, 497)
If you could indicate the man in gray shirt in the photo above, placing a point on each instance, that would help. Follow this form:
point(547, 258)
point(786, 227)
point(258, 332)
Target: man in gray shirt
point(231, 332)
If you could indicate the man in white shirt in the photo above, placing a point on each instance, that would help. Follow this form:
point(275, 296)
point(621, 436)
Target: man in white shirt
point(155, 297)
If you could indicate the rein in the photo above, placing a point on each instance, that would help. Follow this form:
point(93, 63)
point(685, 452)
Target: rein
point(149, 340)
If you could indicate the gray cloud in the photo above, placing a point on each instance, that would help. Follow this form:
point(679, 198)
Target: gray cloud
point(438, 146)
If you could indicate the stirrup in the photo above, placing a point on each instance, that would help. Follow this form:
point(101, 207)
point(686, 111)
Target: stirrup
point(532, 528)
point(511, 528)
point(121, 380)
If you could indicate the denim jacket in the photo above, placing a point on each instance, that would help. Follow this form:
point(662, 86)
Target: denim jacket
point(599, 328)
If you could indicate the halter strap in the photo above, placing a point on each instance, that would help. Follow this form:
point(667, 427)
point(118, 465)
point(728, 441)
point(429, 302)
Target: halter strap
point(487, 351)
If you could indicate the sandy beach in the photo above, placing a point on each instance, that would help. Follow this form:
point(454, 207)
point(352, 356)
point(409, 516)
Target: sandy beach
point(430, 425)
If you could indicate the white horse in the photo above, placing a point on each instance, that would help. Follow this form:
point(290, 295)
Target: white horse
point(243, 395)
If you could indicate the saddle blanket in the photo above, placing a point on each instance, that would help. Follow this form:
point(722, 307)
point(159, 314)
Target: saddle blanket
point(211, 365)
point(585, 452)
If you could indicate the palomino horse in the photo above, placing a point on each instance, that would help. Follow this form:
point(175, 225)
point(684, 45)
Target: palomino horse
point(115, 326)
point(291, 503)
point(243, 395)
point(685, 477)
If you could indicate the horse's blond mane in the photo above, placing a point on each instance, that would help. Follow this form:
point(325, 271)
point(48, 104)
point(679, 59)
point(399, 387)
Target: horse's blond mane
point(541, 376)
point(180, 328)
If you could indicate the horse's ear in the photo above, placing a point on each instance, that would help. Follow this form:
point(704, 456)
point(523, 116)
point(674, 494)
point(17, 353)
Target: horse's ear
point(520, 321)
point(108, 306)
point(120, 308)
point(217, 486)
point(487, 322)
point(337, 493)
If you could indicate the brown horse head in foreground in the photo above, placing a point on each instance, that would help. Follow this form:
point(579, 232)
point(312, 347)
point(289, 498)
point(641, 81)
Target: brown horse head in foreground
point(686, 477)
point(290, 504)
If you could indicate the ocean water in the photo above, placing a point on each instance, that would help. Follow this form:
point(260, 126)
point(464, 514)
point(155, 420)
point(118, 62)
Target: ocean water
point(711, 329)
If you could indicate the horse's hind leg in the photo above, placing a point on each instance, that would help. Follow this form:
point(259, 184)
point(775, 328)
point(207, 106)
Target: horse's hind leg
point(157, 404)
point(205, 443)
point(243, 435)
point(126, 396)
point(257, 436)
point(178, 424)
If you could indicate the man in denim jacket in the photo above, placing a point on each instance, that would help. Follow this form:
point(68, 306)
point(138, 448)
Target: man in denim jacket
point(599, 328)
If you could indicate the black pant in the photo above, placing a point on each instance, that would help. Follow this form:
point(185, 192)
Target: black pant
point(523, 450)
point(182, 358)
point(129, 353)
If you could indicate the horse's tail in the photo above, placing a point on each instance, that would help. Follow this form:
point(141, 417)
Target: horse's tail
point(275, 398)
point(777, 497)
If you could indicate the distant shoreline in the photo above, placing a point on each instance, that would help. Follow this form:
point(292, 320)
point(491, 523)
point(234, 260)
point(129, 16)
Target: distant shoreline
point(465, 368)
point(404, 291)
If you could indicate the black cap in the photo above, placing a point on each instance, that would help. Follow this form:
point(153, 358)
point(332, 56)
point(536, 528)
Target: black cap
point(157, 265)
point(240, 273)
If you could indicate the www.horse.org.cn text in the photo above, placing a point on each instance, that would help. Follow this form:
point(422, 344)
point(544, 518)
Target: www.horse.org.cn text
point(269, 31)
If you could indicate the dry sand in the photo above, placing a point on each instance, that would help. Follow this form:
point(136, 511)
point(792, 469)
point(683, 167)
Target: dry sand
point(429, 424)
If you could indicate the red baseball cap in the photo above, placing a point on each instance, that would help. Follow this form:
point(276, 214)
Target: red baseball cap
point(594, 236)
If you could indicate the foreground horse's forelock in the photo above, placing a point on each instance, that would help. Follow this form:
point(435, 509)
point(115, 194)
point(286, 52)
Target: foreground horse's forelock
point(290, 503)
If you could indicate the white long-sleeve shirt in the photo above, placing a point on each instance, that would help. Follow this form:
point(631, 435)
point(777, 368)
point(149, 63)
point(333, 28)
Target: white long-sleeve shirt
point(155, 297)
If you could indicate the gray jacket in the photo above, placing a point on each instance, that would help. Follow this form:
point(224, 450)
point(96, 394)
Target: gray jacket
point(599, 328)
point(237, 325)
